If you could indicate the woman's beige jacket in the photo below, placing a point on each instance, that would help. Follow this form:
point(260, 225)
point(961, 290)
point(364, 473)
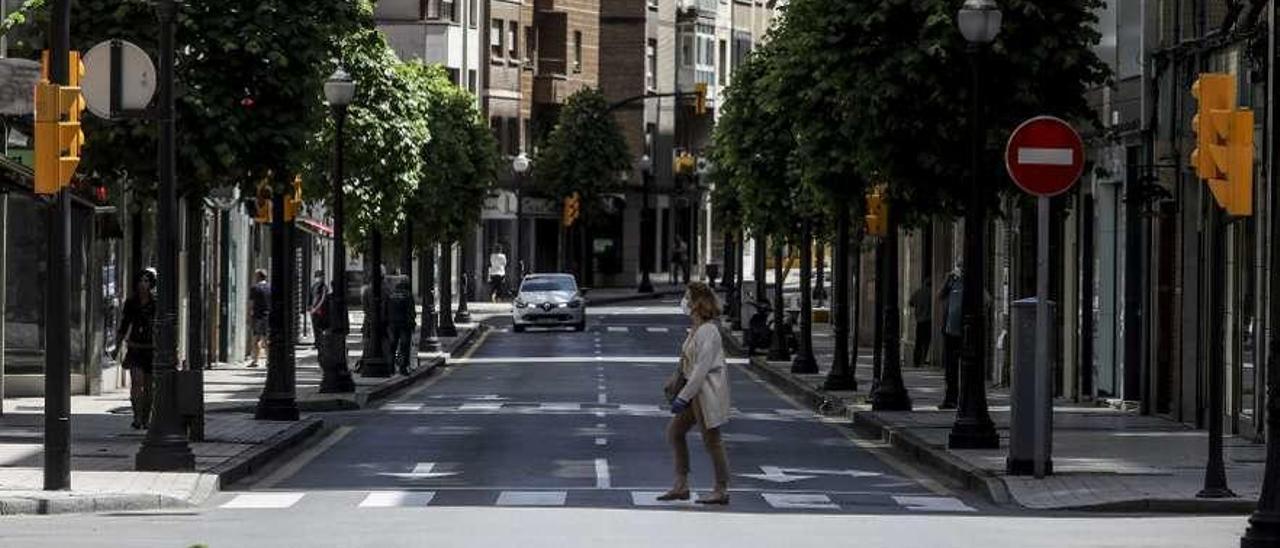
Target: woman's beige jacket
point(707, 374)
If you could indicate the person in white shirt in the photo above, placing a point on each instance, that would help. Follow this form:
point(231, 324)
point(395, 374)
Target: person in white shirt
point(497, 273)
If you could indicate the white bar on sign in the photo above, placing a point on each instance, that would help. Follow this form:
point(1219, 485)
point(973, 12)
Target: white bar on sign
point(1046, 156)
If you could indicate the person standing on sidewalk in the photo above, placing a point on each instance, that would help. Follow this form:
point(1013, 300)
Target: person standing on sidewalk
point(259, 311)
point(400, 322)
point(137, 323)
point(319, 311)
point(497, 273)
point(952, 297)
point(699, 394)
point(922, 310)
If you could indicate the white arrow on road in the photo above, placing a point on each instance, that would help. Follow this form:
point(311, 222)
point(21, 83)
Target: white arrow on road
point(422, 471)
point(778, 474)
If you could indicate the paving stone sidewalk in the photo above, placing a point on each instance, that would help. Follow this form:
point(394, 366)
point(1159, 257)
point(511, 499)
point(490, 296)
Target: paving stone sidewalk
point(1103, 458)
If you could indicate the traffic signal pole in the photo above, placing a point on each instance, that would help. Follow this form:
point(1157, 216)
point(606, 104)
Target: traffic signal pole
point(57, 380)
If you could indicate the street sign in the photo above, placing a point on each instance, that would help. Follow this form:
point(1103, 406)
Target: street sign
point(137, 78)
point(1045, 156)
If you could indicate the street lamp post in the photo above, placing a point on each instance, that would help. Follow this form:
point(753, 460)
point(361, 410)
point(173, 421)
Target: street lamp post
point(979, 22)
point(520, 165)
point(339, 90)
point(428, 336)
point(374, 358)
point(841, 376)
point(165, 447)
point(804, 362)
point(646, 226)
point(463, 315)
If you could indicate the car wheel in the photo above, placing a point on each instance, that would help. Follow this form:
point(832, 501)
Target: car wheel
point(518, 328)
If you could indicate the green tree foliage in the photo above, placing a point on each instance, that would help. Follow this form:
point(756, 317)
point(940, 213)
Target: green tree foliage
point(585, 152)
point(460, 162)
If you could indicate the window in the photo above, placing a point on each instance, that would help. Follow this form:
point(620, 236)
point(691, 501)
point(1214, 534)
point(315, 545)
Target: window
point(705, 54)
point(513, 31)
point(454, 74)
point(513, 136)
point(528, 136)
point(496, 46)
point(530, 44)
point(653, 4)
point(433, 9)
point(686, 50)
point(495, 125)
point(651, 65)
point(471, 80)
point(472, 11)
point(724, 60)
point(577, 51)
point(448, 10)
point(650, 130)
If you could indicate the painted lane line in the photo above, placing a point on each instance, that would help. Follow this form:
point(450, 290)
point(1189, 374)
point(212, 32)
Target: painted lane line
point(397, 499)
point(602, 398)
point(549, 360)
point(292, 467)
point(410, 407)
point(638, 408)
point(602, 441)
point(600, 414)
point(560, 406)
point(657, 329)
point(650, 498)
point(532, 498)
point(480, 407)
point(801, 501)
point(264, 500)
point(422, 470)
point(613, 329)
point(601, 425)
point(602, 474)
point(933, 504)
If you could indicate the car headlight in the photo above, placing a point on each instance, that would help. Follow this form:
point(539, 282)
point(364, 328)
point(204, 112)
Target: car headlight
point(562, 305)
point(520, 304)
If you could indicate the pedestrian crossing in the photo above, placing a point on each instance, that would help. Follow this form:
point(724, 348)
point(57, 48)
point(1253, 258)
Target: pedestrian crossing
point(620, 329)
point(601, 405)
point(600, 497)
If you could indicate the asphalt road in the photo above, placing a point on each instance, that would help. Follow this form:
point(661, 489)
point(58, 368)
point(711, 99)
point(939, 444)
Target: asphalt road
point(554, 438)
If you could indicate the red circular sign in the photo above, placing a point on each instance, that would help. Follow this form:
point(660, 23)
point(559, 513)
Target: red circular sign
point(1045, 156)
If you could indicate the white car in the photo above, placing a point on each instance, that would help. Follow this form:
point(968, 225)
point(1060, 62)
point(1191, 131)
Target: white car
point(552, 300)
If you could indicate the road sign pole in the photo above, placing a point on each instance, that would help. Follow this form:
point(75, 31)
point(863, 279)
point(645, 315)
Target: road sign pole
point(1044, 407)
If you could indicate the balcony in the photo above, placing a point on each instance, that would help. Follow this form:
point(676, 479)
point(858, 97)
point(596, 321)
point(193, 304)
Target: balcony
point(707, 9)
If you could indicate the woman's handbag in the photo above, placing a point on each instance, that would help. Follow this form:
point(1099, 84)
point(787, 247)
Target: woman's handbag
point(674, 385)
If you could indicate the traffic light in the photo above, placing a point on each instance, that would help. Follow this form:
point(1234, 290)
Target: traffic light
point(701, 104)
point(877, 213)
point(1223, 156)
point(57, 128)
point(293, 205)
point(572, 209)
point(263, 202)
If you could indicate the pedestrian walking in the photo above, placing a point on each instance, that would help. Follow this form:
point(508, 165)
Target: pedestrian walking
point(259, 313)
point(400, 322)
point(318, 309)
point(952, 297)
point(680, 260)
point(497, 273)
point(137, 330)
point(699, 394)
point(922, 310)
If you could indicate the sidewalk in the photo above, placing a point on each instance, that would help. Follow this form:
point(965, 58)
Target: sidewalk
point(104, 446)
point(1103, 458)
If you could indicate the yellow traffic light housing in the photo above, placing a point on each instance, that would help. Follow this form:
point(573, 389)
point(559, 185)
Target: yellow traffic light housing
point(572, 209)
point(877, 213)
point(263, 202)
point(701, 104)
point(293, 205)
point(57, 128)
point(1223, 156)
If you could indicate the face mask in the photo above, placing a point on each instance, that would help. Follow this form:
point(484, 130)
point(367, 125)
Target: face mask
point(684, 305)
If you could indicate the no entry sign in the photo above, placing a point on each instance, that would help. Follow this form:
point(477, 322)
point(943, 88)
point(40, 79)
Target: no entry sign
point(1045, 156)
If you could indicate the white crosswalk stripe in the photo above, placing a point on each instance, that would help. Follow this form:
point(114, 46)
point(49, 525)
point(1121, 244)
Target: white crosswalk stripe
point(650, 498)
point(560, 406)
point(480, 407)
point(615, 329)
point(799, 501)
point(264, 500)
point(402, 407)
point(658, 330)
point(532, 498)
point(397, 499)
point(933, 504)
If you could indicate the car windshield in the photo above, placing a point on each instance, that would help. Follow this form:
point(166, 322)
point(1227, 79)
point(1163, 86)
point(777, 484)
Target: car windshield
point(548, 284)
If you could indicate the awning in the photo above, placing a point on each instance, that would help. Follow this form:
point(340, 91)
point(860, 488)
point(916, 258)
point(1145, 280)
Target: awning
point(315, 227)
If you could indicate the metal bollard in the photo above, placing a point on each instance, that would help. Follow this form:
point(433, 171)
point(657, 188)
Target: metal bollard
point(1031, 397)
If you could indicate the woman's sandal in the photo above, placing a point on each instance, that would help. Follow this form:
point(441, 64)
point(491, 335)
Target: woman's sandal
point(674, 495)
point(721, 500)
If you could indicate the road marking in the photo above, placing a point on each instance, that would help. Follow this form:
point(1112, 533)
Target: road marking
point(799, 501)
point(600, 414)
point(650, 498)
point(638, 408)
point(658, 330)
point(422, 470)
point(631, 360)
point(292, 467)
point(602, 474)
point(933, 504)
point(264, 500)
point(778, 474)
point(602, 398)
point(601, 425)
point(484, 336)
point(560, 406)
point(480, 406)
point(531, 498)
point(402, 407)
point(613, 329)
point(397, 499)
point(602, 441)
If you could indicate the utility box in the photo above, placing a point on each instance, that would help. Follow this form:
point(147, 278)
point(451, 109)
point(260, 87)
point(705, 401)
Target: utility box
point(1031, 397)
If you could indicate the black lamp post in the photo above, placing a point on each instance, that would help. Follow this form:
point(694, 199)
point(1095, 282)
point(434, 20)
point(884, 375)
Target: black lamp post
point(428, 337)
point(446, 327)
point(979, 21)
point(804, 362)
point(646, 227)
point(841, 375)
point(165, 447)
point(520, 165)
point(463, 315)
point(339, 90)
point(374, 356)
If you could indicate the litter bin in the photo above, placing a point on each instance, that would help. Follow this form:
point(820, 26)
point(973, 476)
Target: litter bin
point(1031, 397)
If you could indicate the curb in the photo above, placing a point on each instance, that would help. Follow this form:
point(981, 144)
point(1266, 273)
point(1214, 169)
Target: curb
point(254, 458)
point(816, 399)
point(207, 484)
